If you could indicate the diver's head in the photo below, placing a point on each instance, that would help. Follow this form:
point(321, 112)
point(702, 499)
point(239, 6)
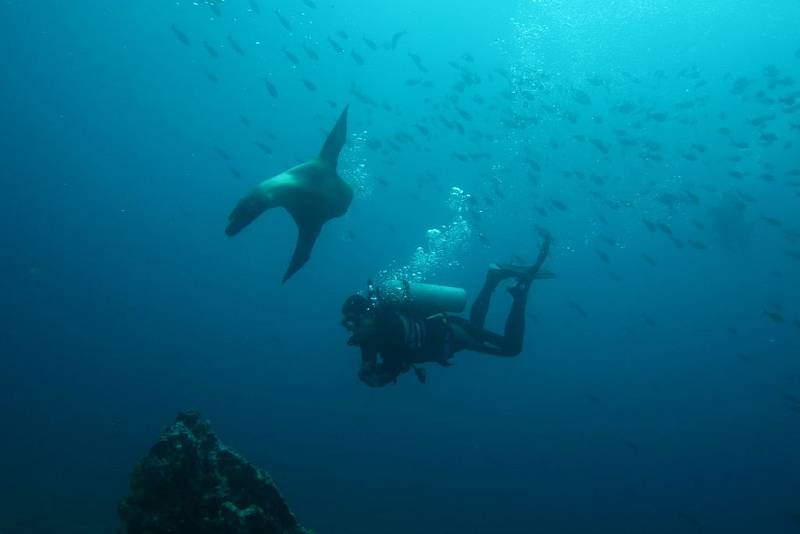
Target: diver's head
point(354, 311)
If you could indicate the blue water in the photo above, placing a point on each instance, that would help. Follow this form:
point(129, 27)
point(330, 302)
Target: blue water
point(656, 393)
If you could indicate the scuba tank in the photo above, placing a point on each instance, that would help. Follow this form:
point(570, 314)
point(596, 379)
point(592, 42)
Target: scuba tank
point(422, 300)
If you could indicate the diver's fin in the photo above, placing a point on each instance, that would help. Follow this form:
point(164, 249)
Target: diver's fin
point(307, 232)
point(544, 251)
point(335, 141)
point(509, 270)
point(501, 271)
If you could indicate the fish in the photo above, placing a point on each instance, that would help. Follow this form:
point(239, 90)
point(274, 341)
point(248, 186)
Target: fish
point(336, 46)
point(343, 35)
point(581, 97)
point(602, 255)
point(599, 145)
point(310, 3)
point(283, 20)
point(464, 114)
point(649, 224)
point(596, 81)
point(245, 121)
point(370, 43)
point(626, 108)
point(291, 57)
point(579, 309)
point(418, 62)
point(180, 35)
point(740, 85)
point(560, 206)
point(310, 52)
point(212, 77)
point(664, 228)
point(221, 153)
point(792, 236)
point(761, 120)
point(396, 39)
point(361, 97)
point(649, 259)
point(254, 7)
point(699, 245)
point(263, 147)
point(235, 46)
point(271, 88)
point(214, 8)
point(608, 240)
point(774, 316)
point(357, 58)
point(374, 144)
point(311, 86)
point(772, 221)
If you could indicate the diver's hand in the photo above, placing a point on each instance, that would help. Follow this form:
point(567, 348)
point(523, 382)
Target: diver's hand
point(372, 375)
point(246, 211)
point(422, 374)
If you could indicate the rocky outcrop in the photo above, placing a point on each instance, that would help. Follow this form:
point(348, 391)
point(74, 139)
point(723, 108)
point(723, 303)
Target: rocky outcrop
point(190, 483)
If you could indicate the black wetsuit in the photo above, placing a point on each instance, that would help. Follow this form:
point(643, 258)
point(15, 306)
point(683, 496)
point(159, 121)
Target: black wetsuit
point(400, 340)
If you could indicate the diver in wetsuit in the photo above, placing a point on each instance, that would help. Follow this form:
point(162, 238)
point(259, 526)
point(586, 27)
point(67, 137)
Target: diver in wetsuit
point(392, 341)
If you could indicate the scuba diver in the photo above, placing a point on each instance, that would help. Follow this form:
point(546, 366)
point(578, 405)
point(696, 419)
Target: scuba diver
point(406, 323)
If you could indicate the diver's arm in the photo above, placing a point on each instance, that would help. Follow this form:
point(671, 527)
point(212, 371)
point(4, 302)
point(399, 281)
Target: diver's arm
point(372, 373)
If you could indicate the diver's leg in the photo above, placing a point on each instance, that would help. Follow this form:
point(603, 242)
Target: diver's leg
point(466, 336)
point(477, 314)
point(498, 273)
point(515, 322)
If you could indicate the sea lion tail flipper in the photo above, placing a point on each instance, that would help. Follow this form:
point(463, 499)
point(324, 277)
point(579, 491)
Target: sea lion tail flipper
point(307, 232)
point(335, 141)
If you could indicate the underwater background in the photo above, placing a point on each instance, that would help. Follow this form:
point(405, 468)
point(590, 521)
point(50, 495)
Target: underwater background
point(657, 141)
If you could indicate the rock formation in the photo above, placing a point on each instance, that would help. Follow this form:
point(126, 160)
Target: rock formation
point(190, 483)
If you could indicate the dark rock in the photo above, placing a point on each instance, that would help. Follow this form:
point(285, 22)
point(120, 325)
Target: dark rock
point(190, 483)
